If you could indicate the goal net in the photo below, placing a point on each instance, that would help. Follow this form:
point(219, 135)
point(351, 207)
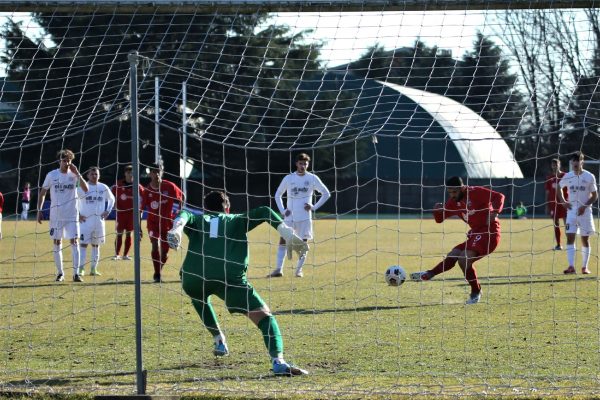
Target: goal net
point(388, 101)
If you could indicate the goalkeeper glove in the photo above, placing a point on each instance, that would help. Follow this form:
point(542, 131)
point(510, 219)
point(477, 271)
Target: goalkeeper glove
point(292, 241)
point(175, 234)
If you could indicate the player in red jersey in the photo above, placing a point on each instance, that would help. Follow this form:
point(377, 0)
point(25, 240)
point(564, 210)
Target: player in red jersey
point(554, 207)
point(123, 192)
point(159, 197)
point(479, 207)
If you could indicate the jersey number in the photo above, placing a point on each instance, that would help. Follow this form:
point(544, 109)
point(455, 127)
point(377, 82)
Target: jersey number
point(214, 228)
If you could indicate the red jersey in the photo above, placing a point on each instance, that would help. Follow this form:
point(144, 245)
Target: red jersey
point(474, 208)
point(160, 202)
point(1, 203)
point(123, 192)
point(551, 184)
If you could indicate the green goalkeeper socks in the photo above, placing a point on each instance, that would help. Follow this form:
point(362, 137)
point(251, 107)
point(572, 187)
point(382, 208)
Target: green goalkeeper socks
point(208, 316)
point(271, 335)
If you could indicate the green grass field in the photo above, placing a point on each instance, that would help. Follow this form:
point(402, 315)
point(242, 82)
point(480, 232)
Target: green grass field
point(537, 332)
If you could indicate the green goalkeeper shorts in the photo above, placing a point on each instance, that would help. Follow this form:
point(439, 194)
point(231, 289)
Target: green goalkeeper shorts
point(239, 297)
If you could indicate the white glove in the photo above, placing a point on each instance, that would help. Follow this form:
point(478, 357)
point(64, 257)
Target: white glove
point(292, 241)
point(175, 234)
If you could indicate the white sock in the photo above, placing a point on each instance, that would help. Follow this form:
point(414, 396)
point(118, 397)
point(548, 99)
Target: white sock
point(301, 262)
point(58, 260)
point(219, 338)
point(281, 252)
point(571, 254)
point(95, 257)
point(75, 254)
point(82, 257)
point(585, 255)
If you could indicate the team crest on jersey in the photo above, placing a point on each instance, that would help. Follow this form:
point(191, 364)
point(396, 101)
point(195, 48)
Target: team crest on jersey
point(123, 196)
point(154, 205)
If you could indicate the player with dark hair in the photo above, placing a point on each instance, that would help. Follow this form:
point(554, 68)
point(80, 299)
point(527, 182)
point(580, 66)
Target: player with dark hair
point(94, 207)
point(217, 263)
point(554, 207)
point(159, 197)
point(583, 192)
point(479, 208)
point(123, 192)
point(299, 186)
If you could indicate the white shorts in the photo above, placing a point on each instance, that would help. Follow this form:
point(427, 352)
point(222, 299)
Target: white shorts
point(303, 228)
point(64, 229)
point(92, 231)
point(582, 224)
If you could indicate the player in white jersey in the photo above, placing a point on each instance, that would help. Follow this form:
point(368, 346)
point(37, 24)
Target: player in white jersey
point(94, 207)
point(62, 184)
point(300, 187)
point(581, 186)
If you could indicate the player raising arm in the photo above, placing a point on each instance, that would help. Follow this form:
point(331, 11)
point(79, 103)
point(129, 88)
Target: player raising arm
point(64, 209)
point(581, 187)
point(216, 264)
point(479, 208)
point(300, 187)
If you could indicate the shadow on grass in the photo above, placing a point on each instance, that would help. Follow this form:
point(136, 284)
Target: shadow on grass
point(86, 282)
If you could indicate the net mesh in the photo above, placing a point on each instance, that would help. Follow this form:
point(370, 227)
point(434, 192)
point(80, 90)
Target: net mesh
point(388, 104)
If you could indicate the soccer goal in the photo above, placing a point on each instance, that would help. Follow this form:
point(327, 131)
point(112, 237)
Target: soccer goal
point(383, 102)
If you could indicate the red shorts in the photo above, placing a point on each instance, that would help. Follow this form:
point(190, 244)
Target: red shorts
point(124, 222)
point(557, 210)
point(481, 243)
point(158, 230)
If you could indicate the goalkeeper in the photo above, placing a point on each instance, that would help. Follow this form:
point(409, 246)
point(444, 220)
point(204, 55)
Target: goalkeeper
point(217, 262)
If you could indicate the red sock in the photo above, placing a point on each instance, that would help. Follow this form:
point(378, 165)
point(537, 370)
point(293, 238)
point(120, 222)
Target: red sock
point(127, 245)
point(446, 265)
point(156, 261)
point(471, 277)
point(557, 235)
point(164, 253)
point(118, 243)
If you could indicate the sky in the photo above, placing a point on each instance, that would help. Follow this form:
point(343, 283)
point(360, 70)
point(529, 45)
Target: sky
point(348, 35)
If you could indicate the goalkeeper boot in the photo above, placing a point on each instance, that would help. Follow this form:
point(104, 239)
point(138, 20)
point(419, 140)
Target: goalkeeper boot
point(421, 276)
point(473, 298)
point(284, 369)
point(95, 272)
point(570, 270)
point(221, 349)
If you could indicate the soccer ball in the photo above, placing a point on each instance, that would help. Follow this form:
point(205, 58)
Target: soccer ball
point(395, 275)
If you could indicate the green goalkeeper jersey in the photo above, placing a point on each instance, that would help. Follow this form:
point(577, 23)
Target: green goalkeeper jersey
point(218, 243)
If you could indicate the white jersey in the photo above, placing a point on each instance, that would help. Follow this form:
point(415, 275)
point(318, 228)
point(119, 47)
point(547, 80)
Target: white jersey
point(300, 190)
point(96, 201)
point(63, 195)
point(580, 187)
